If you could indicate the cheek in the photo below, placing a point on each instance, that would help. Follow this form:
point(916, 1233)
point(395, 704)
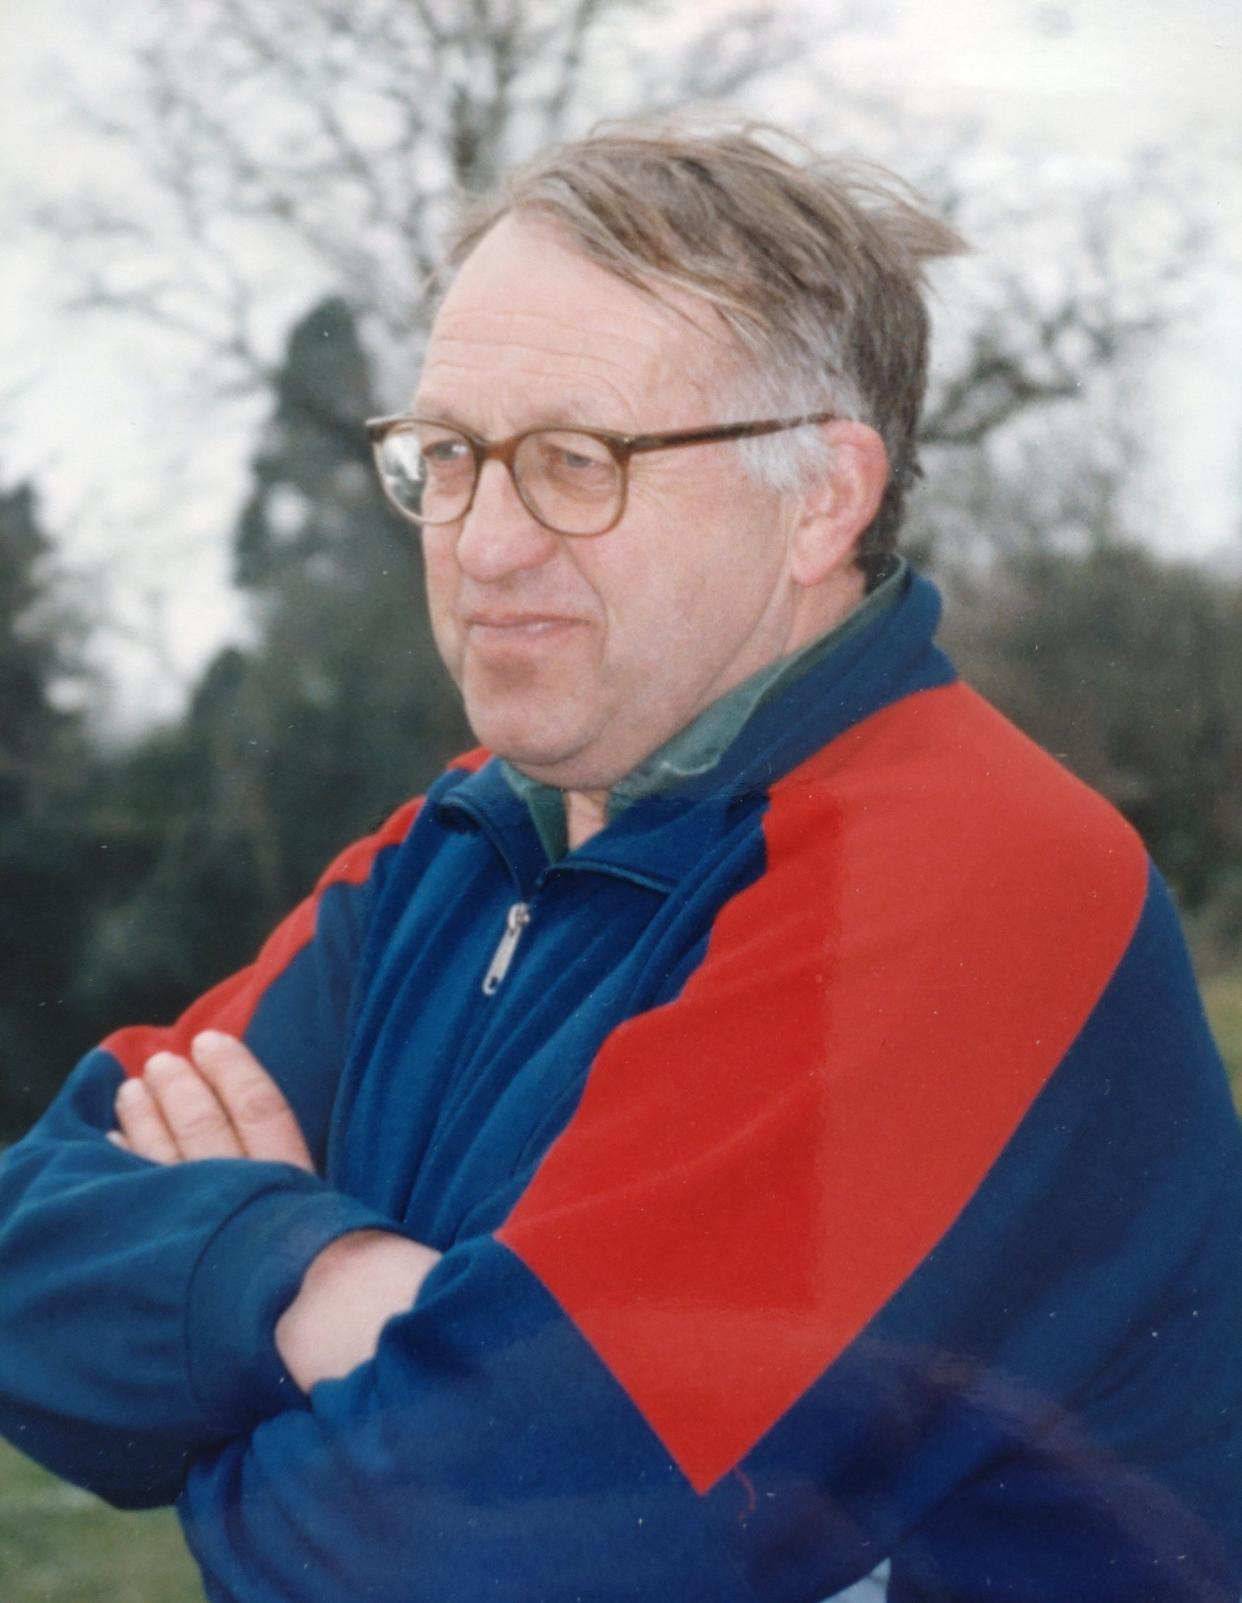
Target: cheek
point(705, 564)
point(663, 627)
point(635, 587)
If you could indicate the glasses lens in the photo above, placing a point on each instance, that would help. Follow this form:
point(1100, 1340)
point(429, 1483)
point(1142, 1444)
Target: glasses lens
point(427, 471)
point(570, 481)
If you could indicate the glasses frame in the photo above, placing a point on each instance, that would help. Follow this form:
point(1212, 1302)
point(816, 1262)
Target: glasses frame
point(621, 447)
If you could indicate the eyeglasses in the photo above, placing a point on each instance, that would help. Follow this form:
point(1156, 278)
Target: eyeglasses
point(573, 481)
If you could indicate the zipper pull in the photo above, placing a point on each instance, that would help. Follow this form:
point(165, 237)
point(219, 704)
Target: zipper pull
point(516, 920)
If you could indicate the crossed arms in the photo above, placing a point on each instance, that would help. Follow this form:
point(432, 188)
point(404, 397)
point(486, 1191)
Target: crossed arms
point(219, 1102)
point(341, 1412)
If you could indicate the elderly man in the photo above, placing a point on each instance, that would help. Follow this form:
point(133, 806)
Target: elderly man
point(751, 1125)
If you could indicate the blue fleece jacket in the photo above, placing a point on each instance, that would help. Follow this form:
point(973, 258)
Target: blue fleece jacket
point(840, 1171)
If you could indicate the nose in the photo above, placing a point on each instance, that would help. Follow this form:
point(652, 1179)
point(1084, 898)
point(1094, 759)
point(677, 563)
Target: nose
point(498, 535)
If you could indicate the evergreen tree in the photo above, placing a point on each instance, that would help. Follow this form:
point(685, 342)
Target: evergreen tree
point(1126, 666)
point(347, 707)
point(44, 851)
point(291, 748)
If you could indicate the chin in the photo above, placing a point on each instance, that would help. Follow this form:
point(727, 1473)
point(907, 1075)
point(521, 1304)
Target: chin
point(523, 736)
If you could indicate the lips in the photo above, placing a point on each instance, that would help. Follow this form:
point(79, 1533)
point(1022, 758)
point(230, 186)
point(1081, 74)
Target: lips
point(508, 632)
point(518, 622)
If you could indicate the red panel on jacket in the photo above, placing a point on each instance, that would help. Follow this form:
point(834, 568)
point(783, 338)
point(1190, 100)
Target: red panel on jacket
point(756, 1167)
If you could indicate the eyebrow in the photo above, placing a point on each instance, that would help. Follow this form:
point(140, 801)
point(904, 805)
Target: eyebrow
point(577, 411)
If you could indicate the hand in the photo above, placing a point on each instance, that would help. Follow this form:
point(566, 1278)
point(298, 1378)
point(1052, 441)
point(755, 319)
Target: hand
point(220, 1102)
point(349, 1293)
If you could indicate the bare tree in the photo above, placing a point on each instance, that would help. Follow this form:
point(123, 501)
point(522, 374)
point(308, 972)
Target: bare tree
point(1077, 282)
point(270, 154)
point(347, 132)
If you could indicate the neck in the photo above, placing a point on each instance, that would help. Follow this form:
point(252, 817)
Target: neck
point(586, 813)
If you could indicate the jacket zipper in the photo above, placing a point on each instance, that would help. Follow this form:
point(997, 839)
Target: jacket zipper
point(516, 920)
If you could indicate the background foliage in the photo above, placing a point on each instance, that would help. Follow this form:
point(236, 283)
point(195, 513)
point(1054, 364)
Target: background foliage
point(135, 875)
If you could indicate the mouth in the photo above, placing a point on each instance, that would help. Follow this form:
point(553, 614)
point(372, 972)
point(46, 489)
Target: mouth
point(515, 631)
point(518, 623)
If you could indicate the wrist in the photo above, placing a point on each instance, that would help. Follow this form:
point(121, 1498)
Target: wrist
point(349, 1293)
point(249, 1271)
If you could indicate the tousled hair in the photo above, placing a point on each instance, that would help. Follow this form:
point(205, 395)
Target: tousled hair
point(814, 264)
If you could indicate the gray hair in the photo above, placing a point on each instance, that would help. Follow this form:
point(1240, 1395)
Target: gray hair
point(814, 264)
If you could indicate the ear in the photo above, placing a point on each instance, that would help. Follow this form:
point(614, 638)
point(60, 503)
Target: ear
point(836, 509)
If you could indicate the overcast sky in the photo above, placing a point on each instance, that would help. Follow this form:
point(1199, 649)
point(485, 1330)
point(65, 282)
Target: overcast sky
point(140, 482)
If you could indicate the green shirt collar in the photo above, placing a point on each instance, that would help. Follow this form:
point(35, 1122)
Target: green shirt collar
point(701, 744)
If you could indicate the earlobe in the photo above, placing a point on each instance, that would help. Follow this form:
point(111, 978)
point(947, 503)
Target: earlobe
point(835, 510)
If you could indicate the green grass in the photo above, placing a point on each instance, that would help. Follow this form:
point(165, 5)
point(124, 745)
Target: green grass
point(1222, 995)
point(60, 1545)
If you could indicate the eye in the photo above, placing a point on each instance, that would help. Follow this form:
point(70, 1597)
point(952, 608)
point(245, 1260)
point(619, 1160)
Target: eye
point(578, 459)
point(446, 451)
point(565, 455)
point(445, 459)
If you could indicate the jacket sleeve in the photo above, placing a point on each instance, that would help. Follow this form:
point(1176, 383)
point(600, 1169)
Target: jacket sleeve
point(699, 1357)
point(108, 1261)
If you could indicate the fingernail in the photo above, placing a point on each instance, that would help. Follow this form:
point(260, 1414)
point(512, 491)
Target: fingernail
point(129, 1091)
point(211, 1039)
point(160, 1063)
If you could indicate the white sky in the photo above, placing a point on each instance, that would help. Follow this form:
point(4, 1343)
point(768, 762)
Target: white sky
point(141, 480)
point(1108, 70)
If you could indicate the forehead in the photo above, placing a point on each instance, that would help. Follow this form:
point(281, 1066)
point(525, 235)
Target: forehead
point(531, 331)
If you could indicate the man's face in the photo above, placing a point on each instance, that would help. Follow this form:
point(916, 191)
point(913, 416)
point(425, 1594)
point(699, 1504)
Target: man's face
point(579, 656)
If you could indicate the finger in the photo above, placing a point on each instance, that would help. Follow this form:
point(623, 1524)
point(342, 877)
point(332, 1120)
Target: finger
point(265, 1123)
point(143, 1129)
point(118, 1140)
point(199, 1124)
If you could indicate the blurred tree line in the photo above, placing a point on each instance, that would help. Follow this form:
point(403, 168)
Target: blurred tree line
point(134, 877)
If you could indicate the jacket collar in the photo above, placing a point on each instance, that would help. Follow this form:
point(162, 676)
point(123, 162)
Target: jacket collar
point(661, 837)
